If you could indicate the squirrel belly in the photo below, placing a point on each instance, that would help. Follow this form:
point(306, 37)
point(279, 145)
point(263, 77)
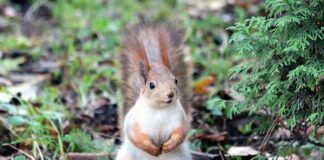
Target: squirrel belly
point(158, 123)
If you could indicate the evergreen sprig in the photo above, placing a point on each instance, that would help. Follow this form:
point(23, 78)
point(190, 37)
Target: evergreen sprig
point(285, 71)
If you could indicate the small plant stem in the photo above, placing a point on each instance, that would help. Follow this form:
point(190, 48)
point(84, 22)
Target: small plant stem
point(291, 152)
point(59, 139)
point(38, 149)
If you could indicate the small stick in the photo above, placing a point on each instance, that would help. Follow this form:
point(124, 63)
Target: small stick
point(21, 151)
point(269, 133)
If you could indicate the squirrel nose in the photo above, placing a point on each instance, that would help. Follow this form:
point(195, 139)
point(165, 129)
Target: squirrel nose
point(170, 94)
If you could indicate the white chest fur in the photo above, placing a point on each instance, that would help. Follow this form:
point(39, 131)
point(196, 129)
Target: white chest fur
point(157, 122)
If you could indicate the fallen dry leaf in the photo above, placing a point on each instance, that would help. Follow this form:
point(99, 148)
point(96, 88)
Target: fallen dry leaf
point(319, 133)
point(208, 4)
point(5, 81)
point(310, 129)
point(282, 133)
point(106, 128)
point(27, 90)
point(242, 151)
point(198, 8)
point(290, 157)
point(9, 12)
point(208, 156)
point(202, 86)
point(86, 156)
point(216, 137)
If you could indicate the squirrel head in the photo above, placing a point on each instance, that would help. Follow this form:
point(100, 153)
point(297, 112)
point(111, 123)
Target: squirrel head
point(158, 85)
point(150, 49)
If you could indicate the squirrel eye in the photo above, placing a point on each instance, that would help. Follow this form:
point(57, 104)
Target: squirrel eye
point(152, 85)
point(175, 81)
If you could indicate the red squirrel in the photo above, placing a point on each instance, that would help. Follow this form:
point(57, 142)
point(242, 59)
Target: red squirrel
point(154, 77)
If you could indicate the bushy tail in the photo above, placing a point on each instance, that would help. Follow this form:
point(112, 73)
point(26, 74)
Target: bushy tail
point(152, 43)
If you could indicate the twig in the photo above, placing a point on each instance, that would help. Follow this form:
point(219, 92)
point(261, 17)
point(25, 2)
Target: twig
point(221, 155)
point(315, 143)
point(21, 151)
point(268, 135)
point(28, 15)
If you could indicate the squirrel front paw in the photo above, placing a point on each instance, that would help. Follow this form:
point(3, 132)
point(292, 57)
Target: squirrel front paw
point(154, 150)
point(169, 145)
point(177, 137)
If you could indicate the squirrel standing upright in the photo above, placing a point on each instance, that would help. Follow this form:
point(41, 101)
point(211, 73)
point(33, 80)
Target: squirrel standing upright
point(156, 97)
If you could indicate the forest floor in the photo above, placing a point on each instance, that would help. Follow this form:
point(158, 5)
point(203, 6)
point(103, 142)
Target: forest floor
point(59, 76)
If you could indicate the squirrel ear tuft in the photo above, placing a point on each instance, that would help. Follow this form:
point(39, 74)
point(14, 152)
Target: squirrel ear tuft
point(163, 44)
point(143, 72)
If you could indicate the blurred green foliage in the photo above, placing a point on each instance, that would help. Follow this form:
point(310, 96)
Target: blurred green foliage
point(283, 76)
